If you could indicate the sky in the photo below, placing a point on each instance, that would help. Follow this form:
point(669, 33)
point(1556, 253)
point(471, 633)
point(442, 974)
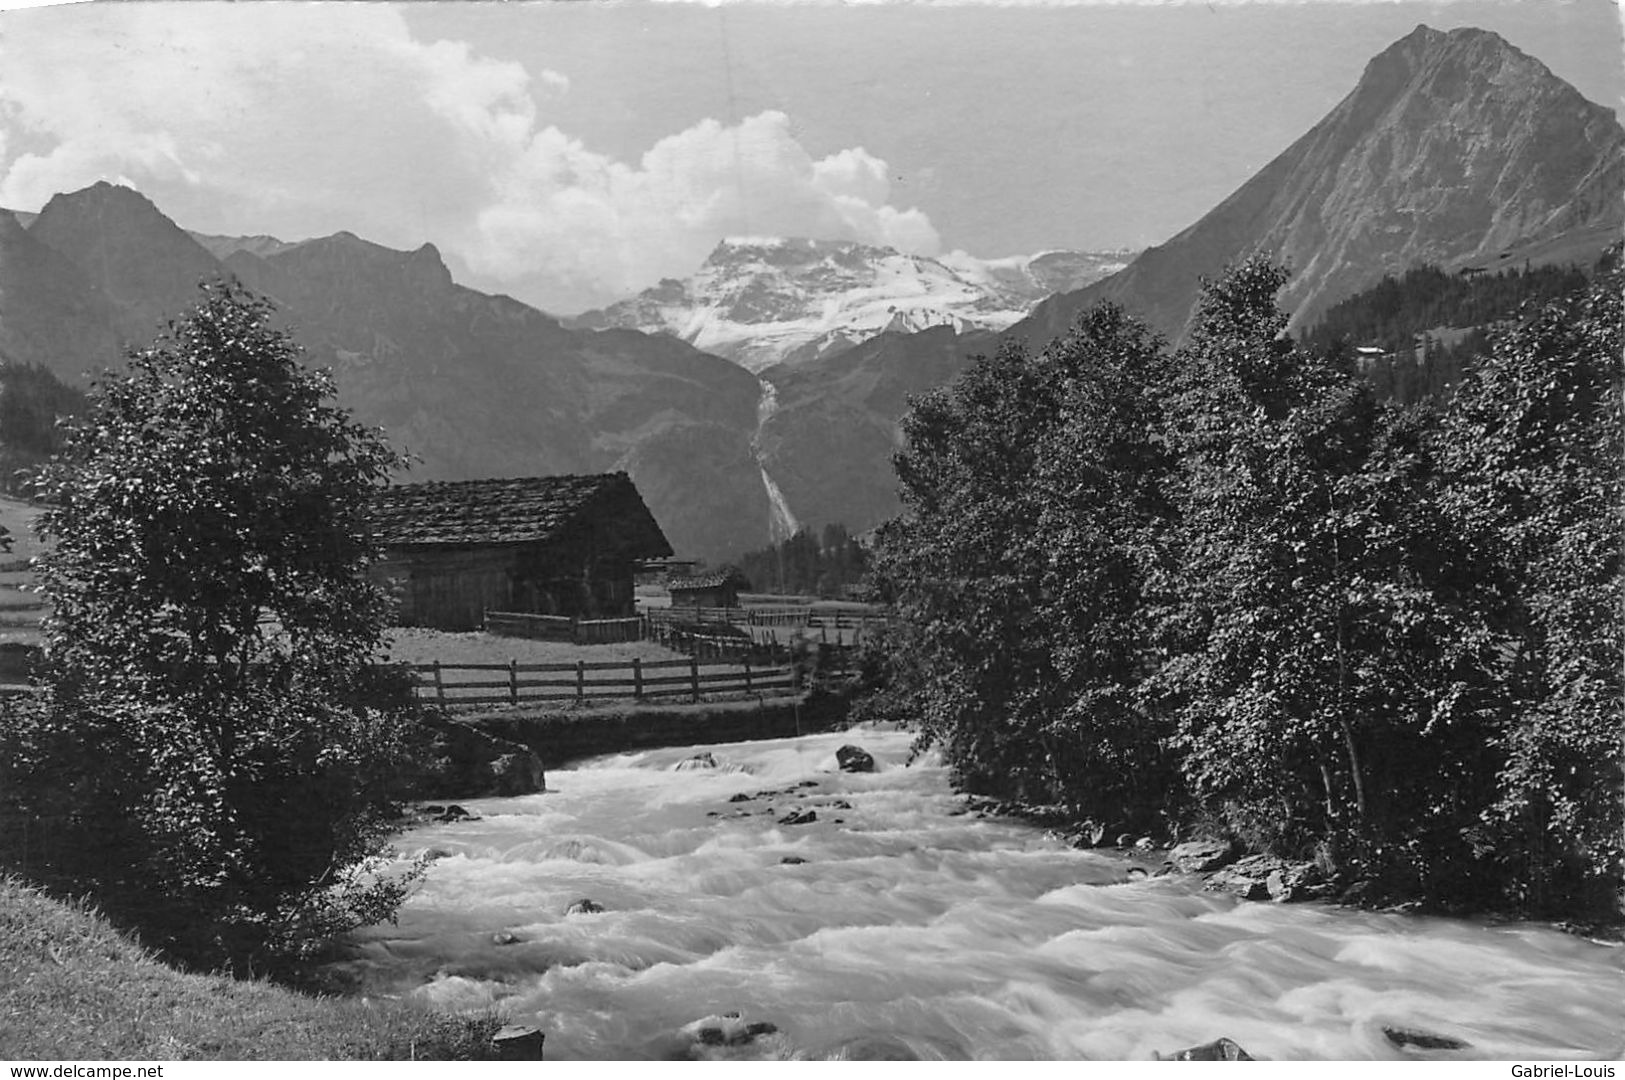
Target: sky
point(570, 154)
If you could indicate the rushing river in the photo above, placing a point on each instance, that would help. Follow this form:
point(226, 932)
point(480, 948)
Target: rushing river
point(911, 930)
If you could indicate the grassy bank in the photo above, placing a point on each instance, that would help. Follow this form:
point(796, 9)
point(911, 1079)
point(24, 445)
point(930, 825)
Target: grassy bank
point(73, 987)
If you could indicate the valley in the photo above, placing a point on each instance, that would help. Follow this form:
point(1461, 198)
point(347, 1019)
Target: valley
point(763, 393)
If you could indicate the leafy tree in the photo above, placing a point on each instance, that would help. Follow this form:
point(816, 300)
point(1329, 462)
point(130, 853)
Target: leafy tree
point(212, 638)
point(1533, 448)
point(1320, 619)
point(1031, 495)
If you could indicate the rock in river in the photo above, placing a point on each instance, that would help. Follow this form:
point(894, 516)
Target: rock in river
point(854, 759)
point(585, 907)
point(1217, 1050)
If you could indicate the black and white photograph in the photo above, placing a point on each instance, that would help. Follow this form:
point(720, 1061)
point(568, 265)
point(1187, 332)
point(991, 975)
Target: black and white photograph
point(908, 530)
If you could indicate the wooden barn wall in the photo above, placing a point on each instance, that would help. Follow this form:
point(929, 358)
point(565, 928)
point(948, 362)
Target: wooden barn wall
point(448, 588)
point(574, 575)
point(587, 572)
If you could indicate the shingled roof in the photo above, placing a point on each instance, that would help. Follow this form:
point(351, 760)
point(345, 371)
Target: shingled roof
point(516, 511)
point(706, 581)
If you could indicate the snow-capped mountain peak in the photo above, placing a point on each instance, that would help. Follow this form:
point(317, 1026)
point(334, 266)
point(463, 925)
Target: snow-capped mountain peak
point(761, 301)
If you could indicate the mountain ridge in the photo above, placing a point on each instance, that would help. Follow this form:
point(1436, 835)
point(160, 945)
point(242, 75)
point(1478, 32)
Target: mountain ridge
point(766, 301)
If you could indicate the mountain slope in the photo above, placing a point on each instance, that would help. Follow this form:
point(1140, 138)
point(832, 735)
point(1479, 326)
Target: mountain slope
point(1454, 149)
point(138, 259)
point(761, 302)
point(473, 385)
point(50, 313)
point(480, 385)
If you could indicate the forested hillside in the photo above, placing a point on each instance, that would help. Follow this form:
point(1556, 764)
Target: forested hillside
point(825, 564)
point(1431, 325)
point(31, 400)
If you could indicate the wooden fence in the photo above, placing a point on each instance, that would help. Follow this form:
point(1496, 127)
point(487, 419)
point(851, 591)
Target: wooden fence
point(739, 632)
point(564, 628)
point(515, 683)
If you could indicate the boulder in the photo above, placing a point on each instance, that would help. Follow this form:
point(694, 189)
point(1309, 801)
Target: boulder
point(799, 817)
point(854, 759)
point(518, 773)
point(698, 761)
point(1407, 1038)
point(1269, 877)
point(1217, 1050)
point(729, 1029)
point(517, 1042)
point(505, 937)
point(1085, 834)
point(1202, 856)
point(585, 907)
point(458, 760)
point(741, 797)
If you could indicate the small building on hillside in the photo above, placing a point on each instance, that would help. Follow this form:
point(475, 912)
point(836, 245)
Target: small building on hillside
point(707, 590)
point(549, 545)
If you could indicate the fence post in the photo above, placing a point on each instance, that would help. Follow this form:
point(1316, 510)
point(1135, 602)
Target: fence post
point(694, 675)
point(513, 680)
point(637, 677)
point(581, 680)
point(439, 687)
point(747, 673)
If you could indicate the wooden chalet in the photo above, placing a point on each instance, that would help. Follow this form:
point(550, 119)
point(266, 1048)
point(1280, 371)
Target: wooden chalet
point(549, 545)
point(707, 590)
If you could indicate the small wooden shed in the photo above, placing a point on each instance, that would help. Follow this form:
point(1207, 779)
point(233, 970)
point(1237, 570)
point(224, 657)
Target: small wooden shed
point(550, 545)
point(706, 590)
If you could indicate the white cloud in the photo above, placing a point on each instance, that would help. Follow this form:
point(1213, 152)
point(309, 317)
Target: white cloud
point(300, 120)
point(610, 227)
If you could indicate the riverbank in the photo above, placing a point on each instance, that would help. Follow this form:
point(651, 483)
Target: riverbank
point(558, 736)
point(72, 987)
point(1227, 866)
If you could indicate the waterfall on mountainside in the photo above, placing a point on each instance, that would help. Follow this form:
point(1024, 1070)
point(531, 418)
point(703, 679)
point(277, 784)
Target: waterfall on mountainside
point(781, 522)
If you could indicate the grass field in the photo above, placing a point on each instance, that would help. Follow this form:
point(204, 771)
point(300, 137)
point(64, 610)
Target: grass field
point(72, 988)
point(20, 609)
point(418, 646)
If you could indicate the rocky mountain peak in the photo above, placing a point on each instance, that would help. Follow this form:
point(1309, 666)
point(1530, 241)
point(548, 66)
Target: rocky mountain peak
point(146, 266)
point(1454, 148)
point(761, 301)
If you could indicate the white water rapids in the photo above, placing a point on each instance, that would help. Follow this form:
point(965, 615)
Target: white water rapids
point(913, 931)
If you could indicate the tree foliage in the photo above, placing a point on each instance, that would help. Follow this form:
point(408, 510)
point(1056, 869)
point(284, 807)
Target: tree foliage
point(211, 732)
point(1033, 502)
point(1233, 585)
point(825, 564)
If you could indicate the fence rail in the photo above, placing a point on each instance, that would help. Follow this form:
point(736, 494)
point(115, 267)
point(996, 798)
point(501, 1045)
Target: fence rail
point(582, 681)
point(564, 628)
